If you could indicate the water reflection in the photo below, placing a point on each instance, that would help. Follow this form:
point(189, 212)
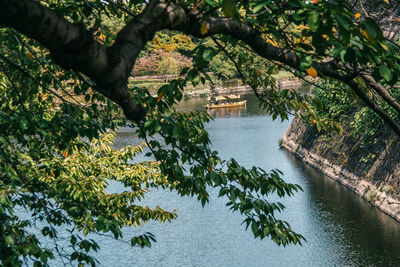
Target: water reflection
point(227, 112)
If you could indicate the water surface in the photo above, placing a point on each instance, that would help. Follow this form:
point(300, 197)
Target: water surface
point(341, 228)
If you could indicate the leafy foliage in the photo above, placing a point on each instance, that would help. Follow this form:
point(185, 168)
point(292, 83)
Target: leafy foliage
point(336, 103)
point(170, 41)
point(333, 101)
point(56, 155)
point(57, 160)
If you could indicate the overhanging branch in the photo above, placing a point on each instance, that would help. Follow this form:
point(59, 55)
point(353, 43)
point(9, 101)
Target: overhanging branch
point(73, 47)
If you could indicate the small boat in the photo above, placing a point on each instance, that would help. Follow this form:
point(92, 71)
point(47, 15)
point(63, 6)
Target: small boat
point(228, 101)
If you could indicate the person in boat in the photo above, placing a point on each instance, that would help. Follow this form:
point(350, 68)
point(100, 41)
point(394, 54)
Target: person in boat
point(225, 101)
point(213, 100)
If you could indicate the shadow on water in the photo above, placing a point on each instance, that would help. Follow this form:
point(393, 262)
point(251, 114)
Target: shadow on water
point(372, 238)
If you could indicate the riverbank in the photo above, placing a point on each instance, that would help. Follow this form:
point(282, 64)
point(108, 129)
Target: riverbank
point(235, 86)
point(342, 158)
point(282, 84)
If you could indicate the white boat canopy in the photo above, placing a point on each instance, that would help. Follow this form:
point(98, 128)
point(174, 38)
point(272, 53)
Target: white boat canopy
point(220, 98)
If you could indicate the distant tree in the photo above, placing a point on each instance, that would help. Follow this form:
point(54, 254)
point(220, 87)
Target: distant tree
point(156, 62)
point(168, 65)
point(169, 41)
point(166, 46)
point(147, 64)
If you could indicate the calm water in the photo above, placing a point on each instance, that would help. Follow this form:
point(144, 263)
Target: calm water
point(341, 228)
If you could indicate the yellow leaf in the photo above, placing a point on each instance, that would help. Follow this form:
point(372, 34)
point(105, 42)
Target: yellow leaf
point(357, 15)
point(52, 173)
point(160, 96)
point(271, 41)
point(203, 28)
point(368, 36)
point(384, 46)
point(312, 72)
point(386, 1)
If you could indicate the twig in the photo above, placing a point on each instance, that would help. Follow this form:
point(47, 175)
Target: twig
point(24, 72)
point(43, 65)
point(14, 86)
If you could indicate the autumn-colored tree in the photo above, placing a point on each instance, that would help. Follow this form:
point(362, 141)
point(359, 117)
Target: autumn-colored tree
point(170, 41)
point(155, 62)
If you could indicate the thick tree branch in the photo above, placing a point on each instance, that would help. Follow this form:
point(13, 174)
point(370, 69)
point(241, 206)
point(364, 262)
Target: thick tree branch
point(374, 106)
point(72, 47)
point(382, 92)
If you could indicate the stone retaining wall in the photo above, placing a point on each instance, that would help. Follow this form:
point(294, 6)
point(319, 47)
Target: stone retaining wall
point(374, 181)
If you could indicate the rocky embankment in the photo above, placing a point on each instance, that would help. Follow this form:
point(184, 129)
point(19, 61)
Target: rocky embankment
point(372, 172)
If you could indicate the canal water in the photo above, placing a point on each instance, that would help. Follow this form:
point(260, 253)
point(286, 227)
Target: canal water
point(341, 228)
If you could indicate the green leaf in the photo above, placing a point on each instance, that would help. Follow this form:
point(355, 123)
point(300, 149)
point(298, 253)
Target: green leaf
point(347, 55)
point(74, 255)
point(254, 228)
point(300, 15)
point(73, 239)
point(176, 131)
point(184, 71)
point(343, 20)
point(9, 240)
point(306, 63)
point(313, 21)
point(23, 124)
point(99, 225)
point(194, 77)
point(157, 127)
point(229, 8)
point(385, 73)
point(373, 29)
point(212, 3)
point(208, 54)
point(77, 90)
point(148, 124)
point(259, 7)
